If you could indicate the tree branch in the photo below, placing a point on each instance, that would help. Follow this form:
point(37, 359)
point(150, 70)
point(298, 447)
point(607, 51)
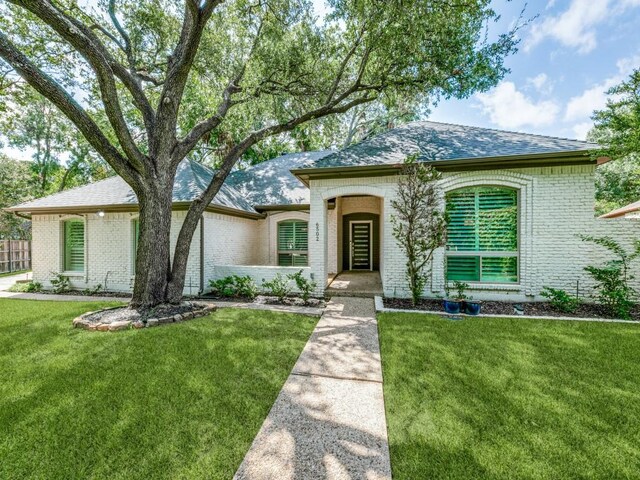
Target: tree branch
point(51, 90)
point(83, 40)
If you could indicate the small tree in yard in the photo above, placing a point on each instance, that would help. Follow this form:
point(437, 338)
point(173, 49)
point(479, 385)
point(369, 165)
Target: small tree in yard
point(419, 224)
point(150, 83)
point(612, 279)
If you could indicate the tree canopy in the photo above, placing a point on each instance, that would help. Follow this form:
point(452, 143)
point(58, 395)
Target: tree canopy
point(148, 83)
point(617, 129)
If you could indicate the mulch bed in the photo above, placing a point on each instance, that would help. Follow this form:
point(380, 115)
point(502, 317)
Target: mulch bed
point(82, 293)
point(122, 318)
point(541, 309)
point(270, 300)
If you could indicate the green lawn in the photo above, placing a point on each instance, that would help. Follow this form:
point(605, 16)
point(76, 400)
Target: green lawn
point(9, 274)
point(178, 401)
point(494, 398)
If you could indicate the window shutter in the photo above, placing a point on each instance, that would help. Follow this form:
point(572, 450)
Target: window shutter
point(74, 246)
point(482, 219)
point(293, 243)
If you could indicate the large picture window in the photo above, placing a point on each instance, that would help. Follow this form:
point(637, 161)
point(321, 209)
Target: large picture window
point(73, 246)
point(293, 243)
point(482, 235)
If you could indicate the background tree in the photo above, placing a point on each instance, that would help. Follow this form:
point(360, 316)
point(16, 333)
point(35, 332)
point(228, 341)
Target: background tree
point(419, 225)
point(617, 128)
point(16, 183)
point(155, 80)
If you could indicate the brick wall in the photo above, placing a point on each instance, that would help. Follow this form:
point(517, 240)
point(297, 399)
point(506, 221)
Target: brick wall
point(555, 203)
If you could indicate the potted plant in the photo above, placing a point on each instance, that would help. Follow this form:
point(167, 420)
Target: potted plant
point(472, 307)
point(456, 305)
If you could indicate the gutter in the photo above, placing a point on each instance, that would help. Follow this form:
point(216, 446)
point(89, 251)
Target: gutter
point(201, 291)
point(575, 157)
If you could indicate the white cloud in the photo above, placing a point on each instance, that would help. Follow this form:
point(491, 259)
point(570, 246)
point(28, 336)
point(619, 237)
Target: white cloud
point(581, 129)
point(573, 27)
point(576, 26)
point(509, 108)
point(581, 107)
point(541, 83)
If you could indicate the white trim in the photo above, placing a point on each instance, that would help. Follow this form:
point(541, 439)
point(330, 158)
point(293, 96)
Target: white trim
point(370, 223)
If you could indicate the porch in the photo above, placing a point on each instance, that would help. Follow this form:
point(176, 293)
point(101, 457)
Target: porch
point(355, 283)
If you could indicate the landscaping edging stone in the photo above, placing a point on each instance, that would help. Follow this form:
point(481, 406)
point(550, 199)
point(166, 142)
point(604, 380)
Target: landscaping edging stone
point(83, 320)
point(380, 308)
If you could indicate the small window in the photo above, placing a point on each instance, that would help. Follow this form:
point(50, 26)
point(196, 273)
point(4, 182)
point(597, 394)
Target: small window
point(134, 246)
point(74, 246)
point(293, 241)
point(482, 235)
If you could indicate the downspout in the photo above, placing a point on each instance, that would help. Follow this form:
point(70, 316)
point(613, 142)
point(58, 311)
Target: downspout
point(201, 291)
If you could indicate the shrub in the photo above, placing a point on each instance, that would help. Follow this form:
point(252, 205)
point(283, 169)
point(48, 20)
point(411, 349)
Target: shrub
point(60, 283)
point(234, 286)
point(612, 279)
point(92, 291)
point(460, 288)
point(305, 286)
point(561, 300)
point(278, 287)
point(26, 287)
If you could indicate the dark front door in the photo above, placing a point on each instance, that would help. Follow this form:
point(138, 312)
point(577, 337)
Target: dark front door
point(360, 245)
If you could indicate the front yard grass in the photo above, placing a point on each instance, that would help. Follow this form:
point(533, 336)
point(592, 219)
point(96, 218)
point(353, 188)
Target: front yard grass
point(178, 401)
point(496, 398)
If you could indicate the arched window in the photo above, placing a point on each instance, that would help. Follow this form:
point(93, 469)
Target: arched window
point(482, 235)
point(293, 243)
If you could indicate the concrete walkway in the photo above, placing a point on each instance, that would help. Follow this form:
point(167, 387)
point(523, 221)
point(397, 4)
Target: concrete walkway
point(328, 421)
point(8, 280)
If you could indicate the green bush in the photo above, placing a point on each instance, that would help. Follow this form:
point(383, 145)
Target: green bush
point(612, 279)
point(305, 286)
point(92, 291)
point(278, 287)
point(561, 300)
point(30, 287)
point(235, 286)
point(60, 283)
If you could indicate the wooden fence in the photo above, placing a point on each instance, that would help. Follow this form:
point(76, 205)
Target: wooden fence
point(15, 255)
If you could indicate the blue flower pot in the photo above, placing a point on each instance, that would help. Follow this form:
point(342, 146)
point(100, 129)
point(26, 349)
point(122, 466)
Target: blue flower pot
point(472, 308)
point(452, 307)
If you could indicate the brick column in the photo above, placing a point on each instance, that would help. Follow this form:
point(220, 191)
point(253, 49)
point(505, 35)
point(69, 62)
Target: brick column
point(318, 240)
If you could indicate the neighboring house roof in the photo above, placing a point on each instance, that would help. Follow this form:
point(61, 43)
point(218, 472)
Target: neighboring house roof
point(191, 179)
point(438, 142)
point(271, 182)
point(619, 212)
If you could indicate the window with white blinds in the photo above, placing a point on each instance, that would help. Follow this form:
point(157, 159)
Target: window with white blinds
point(293, 243)
point(74, 246)
point(482, 235)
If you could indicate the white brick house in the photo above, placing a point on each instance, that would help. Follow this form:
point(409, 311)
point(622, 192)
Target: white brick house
point(328, 212)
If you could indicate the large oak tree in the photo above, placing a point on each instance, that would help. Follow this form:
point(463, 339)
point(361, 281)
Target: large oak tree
point(149, 82)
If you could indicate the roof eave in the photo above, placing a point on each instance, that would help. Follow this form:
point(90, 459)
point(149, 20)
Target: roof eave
point(177, 206)
point(574, 157)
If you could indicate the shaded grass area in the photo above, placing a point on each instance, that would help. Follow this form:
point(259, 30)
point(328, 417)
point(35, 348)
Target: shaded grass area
point(496, 398)
point(9, 274)
point(179, 401)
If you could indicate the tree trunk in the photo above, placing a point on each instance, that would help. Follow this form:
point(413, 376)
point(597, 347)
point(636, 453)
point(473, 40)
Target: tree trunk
point(153, 270)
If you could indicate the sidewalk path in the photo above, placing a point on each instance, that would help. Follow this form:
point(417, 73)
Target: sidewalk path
point(328, 421)
point(7, 281)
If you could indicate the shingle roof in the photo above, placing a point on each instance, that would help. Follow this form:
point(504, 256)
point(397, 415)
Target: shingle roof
point(191, 179)
point(619, 212)
point(435, 141)
point(271, 182)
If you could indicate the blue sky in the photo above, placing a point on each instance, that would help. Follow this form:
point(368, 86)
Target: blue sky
point(569, 57)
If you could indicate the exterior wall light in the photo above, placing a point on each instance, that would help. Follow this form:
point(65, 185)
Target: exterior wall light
point(100, 213)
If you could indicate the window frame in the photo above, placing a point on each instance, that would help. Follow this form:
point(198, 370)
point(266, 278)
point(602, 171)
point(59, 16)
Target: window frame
point(64, 250)
point(489, 253)
point(135, 234)
point(291, 252)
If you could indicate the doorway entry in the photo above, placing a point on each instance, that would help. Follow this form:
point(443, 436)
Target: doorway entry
point(361, 245)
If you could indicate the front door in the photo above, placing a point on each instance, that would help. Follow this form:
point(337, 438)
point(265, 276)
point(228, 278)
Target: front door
point(360, 242)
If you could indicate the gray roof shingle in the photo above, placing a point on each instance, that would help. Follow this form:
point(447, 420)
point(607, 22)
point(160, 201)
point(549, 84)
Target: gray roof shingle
point(191, 179)
point(271, 182)
point(435, 141)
